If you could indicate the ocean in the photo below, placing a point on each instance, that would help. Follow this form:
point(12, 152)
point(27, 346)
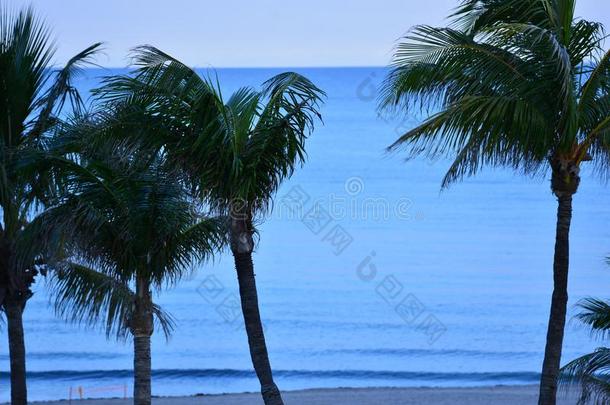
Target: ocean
point(368, 275)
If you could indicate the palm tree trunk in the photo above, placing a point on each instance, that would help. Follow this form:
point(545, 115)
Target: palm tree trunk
point(254, 328)
point(142, 330)
point(142, 370)
point(14, 315)
point(564, 186)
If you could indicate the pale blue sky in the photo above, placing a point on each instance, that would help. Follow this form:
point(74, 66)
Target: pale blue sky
point(250, 33)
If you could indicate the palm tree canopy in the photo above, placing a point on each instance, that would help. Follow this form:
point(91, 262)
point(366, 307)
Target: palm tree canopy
point(122, 217)
point(34, 93)
point(509, 83)
point(235, 149)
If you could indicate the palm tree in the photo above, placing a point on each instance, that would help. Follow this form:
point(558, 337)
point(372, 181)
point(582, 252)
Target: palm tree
point(517, 83)
point(33, 94)
point(235, 152)
point(591, 371)
point(126, 228)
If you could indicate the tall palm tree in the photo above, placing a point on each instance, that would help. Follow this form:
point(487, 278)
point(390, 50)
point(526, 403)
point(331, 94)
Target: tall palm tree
point(517, 83)
point(591, 371)
point(33, 93)
point(126, 228)
point(235, 152)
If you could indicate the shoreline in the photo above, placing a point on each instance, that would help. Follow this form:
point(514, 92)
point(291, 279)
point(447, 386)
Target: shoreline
point(500, 394)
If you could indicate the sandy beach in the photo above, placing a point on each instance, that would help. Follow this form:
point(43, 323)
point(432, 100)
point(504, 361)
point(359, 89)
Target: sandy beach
point(522, 395)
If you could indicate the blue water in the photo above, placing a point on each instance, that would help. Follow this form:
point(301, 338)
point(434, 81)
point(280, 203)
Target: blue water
point(469, 270)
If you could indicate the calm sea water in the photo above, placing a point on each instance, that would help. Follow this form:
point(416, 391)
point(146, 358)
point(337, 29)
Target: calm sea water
point(394, 284)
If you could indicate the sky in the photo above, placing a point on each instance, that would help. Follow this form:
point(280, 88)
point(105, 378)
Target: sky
point(240, 33)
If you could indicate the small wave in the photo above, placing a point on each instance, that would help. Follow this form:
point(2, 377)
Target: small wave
point(407, 376)
point(364, 352)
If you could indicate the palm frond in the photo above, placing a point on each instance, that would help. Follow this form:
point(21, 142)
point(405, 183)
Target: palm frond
point(474, 131)
point(435, 67)
point(25, 55)
point(63, 89)
point(590, 373)
point(201, 240)
point(472, 16)
point(586, 41)
point(163, 320)
point(596, 314)
point(82, 294)
point(594, 97)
